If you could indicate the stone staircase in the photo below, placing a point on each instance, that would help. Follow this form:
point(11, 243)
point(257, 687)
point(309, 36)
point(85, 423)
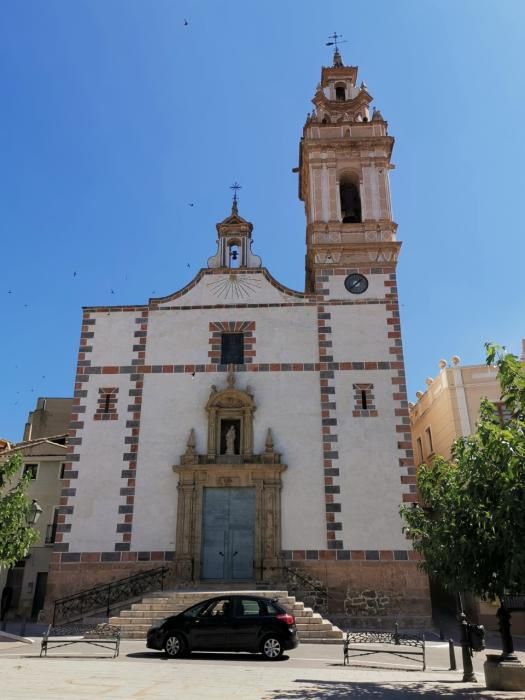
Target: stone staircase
point(134, 623)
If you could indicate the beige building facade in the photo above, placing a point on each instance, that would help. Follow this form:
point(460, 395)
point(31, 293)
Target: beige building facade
point(43, 456)
point(449, 408)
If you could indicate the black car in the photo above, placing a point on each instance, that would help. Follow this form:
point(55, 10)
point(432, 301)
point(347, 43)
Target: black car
point(227, 623)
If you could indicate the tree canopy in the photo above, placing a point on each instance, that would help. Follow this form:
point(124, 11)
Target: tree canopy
point(15, 535)
point(470, 526)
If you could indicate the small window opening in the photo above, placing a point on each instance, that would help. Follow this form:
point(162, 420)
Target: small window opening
point(51, 531)
point(32, 470)
point(364, 404)
point(350, 203)
point(62, 471)
point(340, 94)
point(107, 403)
point(324, 121)
point(232, 349)
point(429, 440)
point(420, 450)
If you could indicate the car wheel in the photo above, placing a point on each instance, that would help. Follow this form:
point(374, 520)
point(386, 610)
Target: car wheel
point(174, 645)
point(272, 648)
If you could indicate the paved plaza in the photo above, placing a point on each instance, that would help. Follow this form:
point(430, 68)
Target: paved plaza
point(312, 672)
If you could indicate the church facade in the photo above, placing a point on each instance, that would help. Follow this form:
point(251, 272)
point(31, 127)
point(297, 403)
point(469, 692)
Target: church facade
point(237, 428)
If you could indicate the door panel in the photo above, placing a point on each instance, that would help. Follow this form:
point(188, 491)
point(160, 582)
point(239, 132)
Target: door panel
point(215, 525)
point(228, 533)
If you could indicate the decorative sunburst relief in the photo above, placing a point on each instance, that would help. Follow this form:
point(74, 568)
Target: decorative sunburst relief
point(234, 287)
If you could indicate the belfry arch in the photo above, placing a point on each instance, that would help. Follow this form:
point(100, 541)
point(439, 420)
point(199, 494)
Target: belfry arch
point(350, 199)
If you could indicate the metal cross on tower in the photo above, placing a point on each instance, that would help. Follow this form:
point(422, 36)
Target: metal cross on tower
point(235, 187)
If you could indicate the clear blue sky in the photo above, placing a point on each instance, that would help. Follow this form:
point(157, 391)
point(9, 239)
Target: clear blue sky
point(115, 116)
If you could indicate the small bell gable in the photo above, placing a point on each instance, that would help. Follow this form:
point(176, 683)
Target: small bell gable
point(234, 243)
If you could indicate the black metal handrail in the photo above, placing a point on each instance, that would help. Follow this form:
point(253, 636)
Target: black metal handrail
point(313, 586)
point(74, 607)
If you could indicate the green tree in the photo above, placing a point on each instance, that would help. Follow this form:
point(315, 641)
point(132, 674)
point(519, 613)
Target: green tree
point(470, 528)
point(15, 535)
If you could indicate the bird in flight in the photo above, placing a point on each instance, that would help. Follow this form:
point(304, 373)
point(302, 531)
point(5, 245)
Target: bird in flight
point(186, 22)
point(190, 204)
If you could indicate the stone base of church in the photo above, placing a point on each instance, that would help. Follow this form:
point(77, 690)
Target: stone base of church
point(365, 594)
point(361, 594)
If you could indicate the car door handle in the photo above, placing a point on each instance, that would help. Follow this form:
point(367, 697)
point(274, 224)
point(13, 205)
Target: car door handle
point(235, 554)
point(221, 554)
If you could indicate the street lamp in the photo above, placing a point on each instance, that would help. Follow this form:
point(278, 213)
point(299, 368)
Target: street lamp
point(35, 512)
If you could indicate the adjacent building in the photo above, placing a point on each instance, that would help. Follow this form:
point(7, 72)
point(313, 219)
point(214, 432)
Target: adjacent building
point(449, 408)
point(43, 451)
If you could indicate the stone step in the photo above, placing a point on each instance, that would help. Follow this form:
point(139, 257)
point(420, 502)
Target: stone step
point(173, 609)
point(135, 622)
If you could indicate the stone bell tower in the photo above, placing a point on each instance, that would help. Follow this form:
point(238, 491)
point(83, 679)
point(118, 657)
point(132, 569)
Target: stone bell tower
point(344, 163)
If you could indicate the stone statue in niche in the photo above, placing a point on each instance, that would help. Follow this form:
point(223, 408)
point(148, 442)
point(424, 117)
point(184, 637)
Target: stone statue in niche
point(230, 440)
point(230, 437)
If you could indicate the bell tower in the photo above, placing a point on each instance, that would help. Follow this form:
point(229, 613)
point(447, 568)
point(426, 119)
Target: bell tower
point(344, 161)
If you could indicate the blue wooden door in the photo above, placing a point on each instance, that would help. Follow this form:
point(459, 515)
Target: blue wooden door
point(228, 533)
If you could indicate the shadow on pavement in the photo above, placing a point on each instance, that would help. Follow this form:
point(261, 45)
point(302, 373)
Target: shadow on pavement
point(203, 656)
point(432, 690)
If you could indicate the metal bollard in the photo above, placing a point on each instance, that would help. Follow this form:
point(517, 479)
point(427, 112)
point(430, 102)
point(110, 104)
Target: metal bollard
point(452, 655)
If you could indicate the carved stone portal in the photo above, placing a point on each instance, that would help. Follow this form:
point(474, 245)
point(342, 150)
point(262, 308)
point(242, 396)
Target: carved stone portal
point(229, 462)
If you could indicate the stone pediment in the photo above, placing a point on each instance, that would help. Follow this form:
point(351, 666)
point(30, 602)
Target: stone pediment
point(213, 287)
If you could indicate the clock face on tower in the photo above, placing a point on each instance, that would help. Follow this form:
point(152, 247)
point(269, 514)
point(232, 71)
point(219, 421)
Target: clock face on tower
point(356, 283)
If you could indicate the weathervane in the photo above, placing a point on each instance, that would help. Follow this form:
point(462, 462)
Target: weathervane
point(334, 38)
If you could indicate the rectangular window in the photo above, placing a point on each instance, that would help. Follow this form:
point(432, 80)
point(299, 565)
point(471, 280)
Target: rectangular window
point(31, 469)
point(420, 450)
point(429, 440)
point(51, 530)
point(232, 349)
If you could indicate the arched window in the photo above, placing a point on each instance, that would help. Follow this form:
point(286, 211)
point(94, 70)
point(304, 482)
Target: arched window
point(350, 202)
point(340, 93)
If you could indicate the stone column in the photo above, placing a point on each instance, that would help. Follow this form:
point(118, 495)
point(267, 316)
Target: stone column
point(213, 448)
point(184, 536)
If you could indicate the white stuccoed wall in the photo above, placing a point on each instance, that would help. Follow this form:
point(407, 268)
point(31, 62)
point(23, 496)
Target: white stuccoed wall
point(359, 334)
point(99, 473)
point(369, 469)
point(288, 402)
point(113, 341)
